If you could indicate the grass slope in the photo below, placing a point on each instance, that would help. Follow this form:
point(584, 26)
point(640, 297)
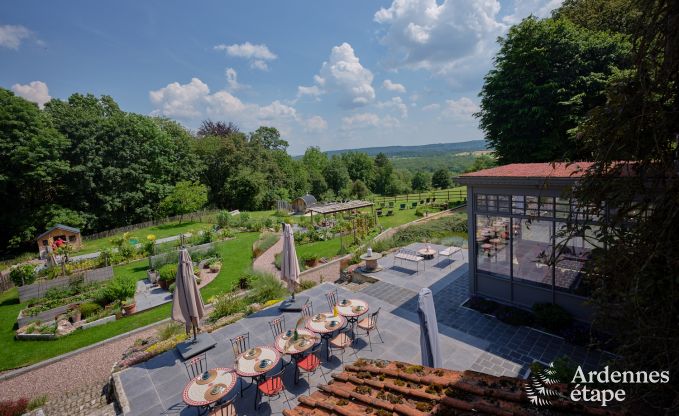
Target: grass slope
point(237, 257)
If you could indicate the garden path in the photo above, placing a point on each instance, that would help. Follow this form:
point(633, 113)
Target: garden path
point(265, 262)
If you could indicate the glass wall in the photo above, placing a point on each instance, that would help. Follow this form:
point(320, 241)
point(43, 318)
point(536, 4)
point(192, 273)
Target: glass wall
point(524, 237)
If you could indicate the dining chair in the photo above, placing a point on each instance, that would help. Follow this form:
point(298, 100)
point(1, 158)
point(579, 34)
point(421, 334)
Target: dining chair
point(271, 387)
point(277, 326)
point(309, 364)
point(369, 324)
point(196, 365)
point(331, 297)
point(240, 344)
point(340, 342)
point(224, 409)
point(308, 310)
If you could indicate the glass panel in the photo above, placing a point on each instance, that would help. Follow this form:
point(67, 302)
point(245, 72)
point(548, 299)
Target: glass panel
point(563, 207)
point(532, 206)
point(518, 204)
point(492, 203)
point(532, 250)
point(492, 244)
point(503, 203)
point(481, 202)
point(574, 253)
point(547, 206)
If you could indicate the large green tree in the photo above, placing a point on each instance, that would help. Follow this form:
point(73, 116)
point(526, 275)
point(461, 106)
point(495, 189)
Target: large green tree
point(185, 197)
point(547, 75)
point(441, 179)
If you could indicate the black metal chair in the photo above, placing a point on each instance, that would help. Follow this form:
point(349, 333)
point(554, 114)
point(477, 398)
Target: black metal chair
point(308, 310)
point(271, 386)
point(196, 365)
point(369, 324)
point(224, 409)
point(240, 344)
point(277, 326)
point(331, 297)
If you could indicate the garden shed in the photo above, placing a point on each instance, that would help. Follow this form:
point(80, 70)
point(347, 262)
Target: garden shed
point(62, 232)
point(303, 203)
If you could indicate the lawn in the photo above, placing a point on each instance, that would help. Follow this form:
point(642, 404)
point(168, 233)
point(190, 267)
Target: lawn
point(160, 231)
point(237, 257)
point(328, 248)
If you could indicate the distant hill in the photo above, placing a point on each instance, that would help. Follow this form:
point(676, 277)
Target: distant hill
point(421, 150)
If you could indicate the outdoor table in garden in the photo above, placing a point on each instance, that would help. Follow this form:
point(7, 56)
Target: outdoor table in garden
point(427, 253)
point(371, 264)
point(257, 361)
point(208, 388)
point(352, 309)
point(287, 344)
point(325, 324)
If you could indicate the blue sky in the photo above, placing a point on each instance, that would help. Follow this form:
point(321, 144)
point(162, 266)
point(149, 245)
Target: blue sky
point(336, 74)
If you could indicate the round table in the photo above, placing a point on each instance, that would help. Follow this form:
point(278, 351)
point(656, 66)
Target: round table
point(321, 324)
point(371, 264)
point(427, 253)
point(352, 309)
point(209, 387)
point(248, 364)
point(285, 344)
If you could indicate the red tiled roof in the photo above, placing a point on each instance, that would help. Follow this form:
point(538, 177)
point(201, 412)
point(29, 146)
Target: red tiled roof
point(535, 170)
point(377, 388)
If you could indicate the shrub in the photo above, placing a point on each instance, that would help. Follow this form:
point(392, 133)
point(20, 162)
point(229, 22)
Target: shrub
point(88, 309)
point(172, 287)
point(305, 285)
point(168, 272)
point(265, 242)
point(564, 369)
point(514, 316)
point(170, 330)
point(13, 407)
point(552, 317)
point(226, 305)
point(483, 305)
point(118, 288)
point(265, 287)
point(23, 275)
point(224, 219)
point(36, 402)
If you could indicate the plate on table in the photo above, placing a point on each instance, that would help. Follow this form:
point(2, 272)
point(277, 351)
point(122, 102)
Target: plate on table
point(252, 353)
point(264, 364)
point(332, 325)
point(206, 377)
point(345, 302)
point(318, 318)
point(287, 334)
point(215, 392)
point(358, 308)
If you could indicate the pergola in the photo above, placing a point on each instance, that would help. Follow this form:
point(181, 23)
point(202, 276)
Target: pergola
point(338, 207)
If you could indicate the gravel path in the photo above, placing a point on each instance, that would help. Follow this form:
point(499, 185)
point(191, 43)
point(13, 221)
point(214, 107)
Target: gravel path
point(73, 373)
point(265, 262)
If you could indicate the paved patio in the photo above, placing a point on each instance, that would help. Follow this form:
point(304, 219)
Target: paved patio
point(468, 340)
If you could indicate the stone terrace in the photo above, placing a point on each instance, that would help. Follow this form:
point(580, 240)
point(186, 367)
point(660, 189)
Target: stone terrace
point(469, 340)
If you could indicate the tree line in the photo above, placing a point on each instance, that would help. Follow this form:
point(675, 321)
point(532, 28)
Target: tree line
point(87, 163)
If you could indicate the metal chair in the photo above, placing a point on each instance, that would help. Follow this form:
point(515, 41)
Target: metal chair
point(240, 344)
point(224, 409)
point(271, 387)
point(331, 297)
point(277, 326)
point(340, 342)
point(196, 365)
point(370, 324)
point(308, 310)
point(309, 364)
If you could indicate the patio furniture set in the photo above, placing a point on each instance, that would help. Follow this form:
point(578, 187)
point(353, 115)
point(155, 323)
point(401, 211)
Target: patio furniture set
point(263, 366)
point(426, 253)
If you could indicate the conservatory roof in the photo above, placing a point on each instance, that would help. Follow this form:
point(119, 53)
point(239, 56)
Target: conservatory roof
point(534, 170)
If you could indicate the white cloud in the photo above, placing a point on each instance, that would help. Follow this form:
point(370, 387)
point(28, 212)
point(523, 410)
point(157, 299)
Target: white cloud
point(35, 91)
point(431, 107)
point(315, 124)
point(368, 120)
point(193, 101)
point(460, 108)
point(232, 80)
point(343, 73)
point(445, 37)
point(258, 55)
point(313, 91)
point(397, 104)
point(11, 36)
point(393, 86)
point(538, 8)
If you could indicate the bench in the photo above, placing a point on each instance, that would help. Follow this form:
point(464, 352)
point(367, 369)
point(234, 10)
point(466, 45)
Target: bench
point(410, 255)
point(390, 212)
point(450, 252)
point(379, 212)
point(413, 205)
point(403, 206)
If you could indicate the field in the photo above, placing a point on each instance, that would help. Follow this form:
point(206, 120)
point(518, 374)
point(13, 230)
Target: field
point(236, 252)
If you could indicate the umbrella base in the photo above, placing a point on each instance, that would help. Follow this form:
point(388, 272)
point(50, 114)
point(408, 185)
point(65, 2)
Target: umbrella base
point(289, 305)
point(190, 348)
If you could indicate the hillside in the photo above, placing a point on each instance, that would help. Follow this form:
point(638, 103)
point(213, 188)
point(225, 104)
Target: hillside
point(420, 150)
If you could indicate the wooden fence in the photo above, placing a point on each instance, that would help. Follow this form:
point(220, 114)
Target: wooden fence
point(423, 197)
point(37, 290)
point(201, 216)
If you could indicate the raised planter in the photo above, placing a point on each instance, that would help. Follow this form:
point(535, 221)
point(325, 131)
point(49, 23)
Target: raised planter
point(36, 337)
point(130, 309)
point(45, 316)
point(100, 321)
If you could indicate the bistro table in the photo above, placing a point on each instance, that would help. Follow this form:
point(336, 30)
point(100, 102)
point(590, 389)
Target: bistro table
point(325, 324)
point(256, 362)
point(286, 344)
point(208, 388)
point(352, 309)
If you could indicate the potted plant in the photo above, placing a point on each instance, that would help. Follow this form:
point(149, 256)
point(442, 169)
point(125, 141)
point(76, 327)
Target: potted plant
point(74, 313)
point(167, 275)
point(215, 266)
point(129, 306)
point(311, 260)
